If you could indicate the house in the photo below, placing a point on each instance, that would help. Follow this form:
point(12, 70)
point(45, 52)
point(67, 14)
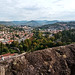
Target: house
point(6, 56)
point(1, 39)
point(10, 41)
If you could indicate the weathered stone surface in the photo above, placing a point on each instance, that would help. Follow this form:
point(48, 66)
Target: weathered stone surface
point(51, 61)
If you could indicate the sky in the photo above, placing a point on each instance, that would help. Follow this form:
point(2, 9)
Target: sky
point(18, 10)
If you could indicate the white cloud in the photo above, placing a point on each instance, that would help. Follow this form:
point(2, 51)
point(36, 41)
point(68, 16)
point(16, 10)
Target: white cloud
point(37, 9)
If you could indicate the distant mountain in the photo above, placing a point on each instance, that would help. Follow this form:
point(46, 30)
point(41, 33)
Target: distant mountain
point(19, 22)
point(58, 26)
point(7, 23)
point(44, 22)
point(54, 26)
point(33, 23)
point(51, 22)
point(11, 23)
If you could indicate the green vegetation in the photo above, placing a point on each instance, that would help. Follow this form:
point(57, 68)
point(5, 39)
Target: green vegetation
point(38, 42)
point(56, 26)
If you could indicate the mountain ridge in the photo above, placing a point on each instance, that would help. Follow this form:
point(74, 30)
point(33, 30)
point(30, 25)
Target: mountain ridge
point(28, 23)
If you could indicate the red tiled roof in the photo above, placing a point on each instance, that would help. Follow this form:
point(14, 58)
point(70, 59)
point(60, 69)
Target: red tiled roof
point(10, 41)
point(8, 54)
point(5, 54)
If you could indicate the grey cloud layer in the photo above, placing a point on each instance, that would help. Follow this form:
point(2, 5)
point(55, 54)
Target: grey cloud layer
point(37, 9)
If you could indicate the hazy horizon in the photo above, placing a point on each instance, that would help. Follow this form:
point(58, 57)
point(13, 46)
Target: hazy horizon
point(21, 10)
point(30, 20)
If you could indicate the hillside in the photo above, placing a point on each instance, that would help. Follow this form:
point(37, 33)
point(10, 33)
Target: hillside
point(33, 23)
point(51, 61)
point(59, 26)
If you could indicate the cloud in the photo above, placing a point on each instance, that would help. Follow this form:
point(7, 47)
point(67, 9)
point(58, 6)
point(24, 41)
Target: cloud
point(56, 1)
point(37, 9)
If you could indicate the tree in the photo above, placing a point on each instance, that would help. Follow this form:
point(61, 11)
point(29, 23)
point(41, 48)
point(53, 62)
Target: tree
point(15, 44)
point(25, 47)
point(59, 43)
point(5, 49)
point(21, 47)
point(52, 38)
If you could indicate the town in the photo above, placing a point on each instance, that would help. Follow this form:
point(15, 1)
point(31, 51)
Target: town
point(9, 34)
point(15, 40)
